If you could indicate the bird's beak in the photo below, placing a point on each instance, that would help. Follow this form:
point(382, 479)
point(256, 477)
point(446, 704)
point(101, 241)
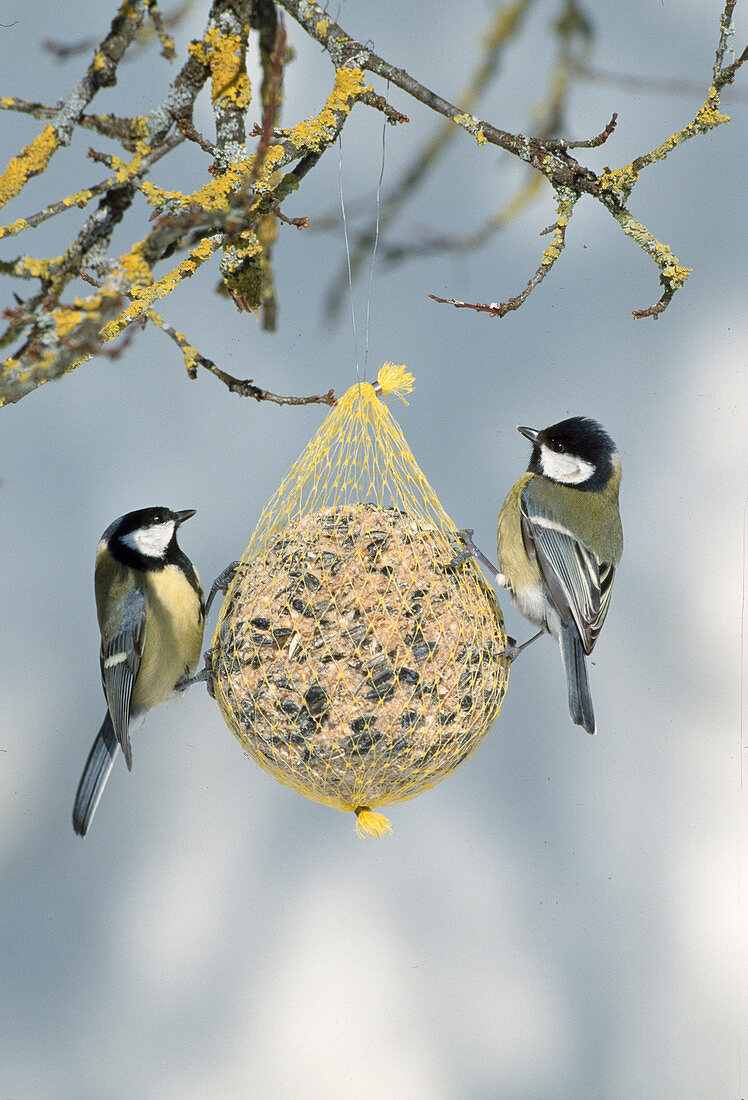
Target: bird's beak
point(187, 514)
point(529, 433)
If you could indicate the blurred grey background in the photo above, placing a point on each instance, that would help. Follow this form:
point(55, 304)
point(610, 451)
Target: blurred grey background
point(560, 918)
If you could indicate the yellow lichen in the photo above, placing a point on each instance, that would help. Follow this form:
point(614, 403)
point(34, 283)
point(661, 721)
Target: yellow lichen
point(316, 132)
point(12, 228)
point(69, 324)
point(191, 357)
point(349, 85)
point(80, 198)
point(134, 266)
point(31, 161)
point(264, 168)
point(145, 296)
point(29, 266)
point(198, 51)
point(212, 196)
point(671, 270)
point(15, 375)
point(708, 115)
point(619, 181)
point(126, 169)
point(224, 55)
point(66, 320)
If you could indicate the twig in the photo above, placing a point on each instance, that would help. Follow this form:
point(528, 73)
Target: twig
point(63, 50)
point(33, 160)
point(727, 74)
point(557, 165)
point(565, 205)
point(187, 128)
point(243, 387)
point(552, 159)
point(167, 42)
point(246, 264)
point(237, 211)
point(80, 199)
point(379, 103)
point(297, 223)
point(589, 143)
point(123, 130)
point(273, 94)
point(722, 76)
point(506, 22)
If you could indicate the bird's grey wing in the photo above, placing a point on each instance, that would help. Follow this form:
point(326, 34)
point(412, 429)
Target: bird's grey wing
point(579, 584)
point(120, 661)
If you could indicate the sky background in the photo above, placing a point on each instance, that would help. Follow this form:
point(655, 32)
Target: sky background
point(562, 917)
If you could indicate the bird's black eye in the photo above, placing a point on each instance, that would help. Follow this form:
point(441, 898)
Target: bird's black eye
point(556, 446)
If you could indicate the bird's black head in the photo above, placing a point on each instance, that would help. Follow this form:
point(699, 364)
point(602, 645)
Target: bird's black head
point(576, 451)
point(146, 538)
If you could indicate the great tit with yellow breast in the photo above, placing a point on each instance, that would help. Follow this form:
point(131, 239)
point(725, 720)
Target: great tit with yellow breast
point(559, 539)
point(151, 612)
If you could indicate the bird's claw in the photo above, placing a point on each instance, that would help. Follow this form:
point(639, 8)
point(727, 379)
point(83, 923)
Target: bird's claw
point(510, 651)
point(465, 535)
point(470, 550)
point(205, 675)
point(221, 583)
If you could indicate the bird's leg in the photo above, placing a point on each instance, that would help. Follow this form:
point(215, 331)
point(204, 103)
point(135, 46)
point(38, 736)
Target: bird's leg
point(471, 551)
point(205, 675)
point(221, 583)
point(513, 650)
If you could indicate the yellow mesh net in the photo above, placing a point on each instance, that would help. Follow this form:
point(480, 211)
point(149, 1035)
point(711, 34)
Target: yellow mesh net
point(349, 659)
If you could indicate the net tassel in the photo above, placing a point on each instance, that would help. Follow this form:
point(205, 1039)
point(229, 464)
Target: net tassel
point(371, 824)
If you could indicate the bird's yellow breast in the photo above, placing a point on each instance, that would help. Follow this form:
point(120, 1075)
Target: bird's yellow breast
point(173, 639)
point(520, 571)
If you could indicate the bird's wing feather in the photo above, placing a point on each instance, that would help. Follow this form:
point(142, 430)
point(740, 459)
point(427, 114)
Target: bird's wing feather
point(579, 584)
point(120, 661)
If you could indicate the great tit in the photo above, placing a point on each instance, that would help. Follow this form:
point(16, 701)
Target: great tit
point(151, 612)
point(559, 539)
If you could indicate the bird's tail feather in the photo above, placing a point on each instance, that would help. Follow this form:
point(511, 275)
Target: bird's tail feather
point(575, 666)
point(95, 775)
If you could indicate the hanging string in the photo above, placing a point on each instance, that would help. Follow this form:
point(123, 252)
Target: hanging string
point(376, 237)
point(373, 253)
point(348, 256)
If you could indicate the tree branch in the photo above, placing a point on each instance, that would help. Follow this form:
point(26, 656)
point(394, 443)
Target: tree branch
point(243, 387)
point(565, 205)
point(237, 211)
point(550, 157)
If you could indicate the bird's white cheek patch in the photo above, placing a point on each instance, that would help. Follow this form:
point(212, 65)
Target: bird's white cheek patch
point(570, 469)
point(151, 541)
